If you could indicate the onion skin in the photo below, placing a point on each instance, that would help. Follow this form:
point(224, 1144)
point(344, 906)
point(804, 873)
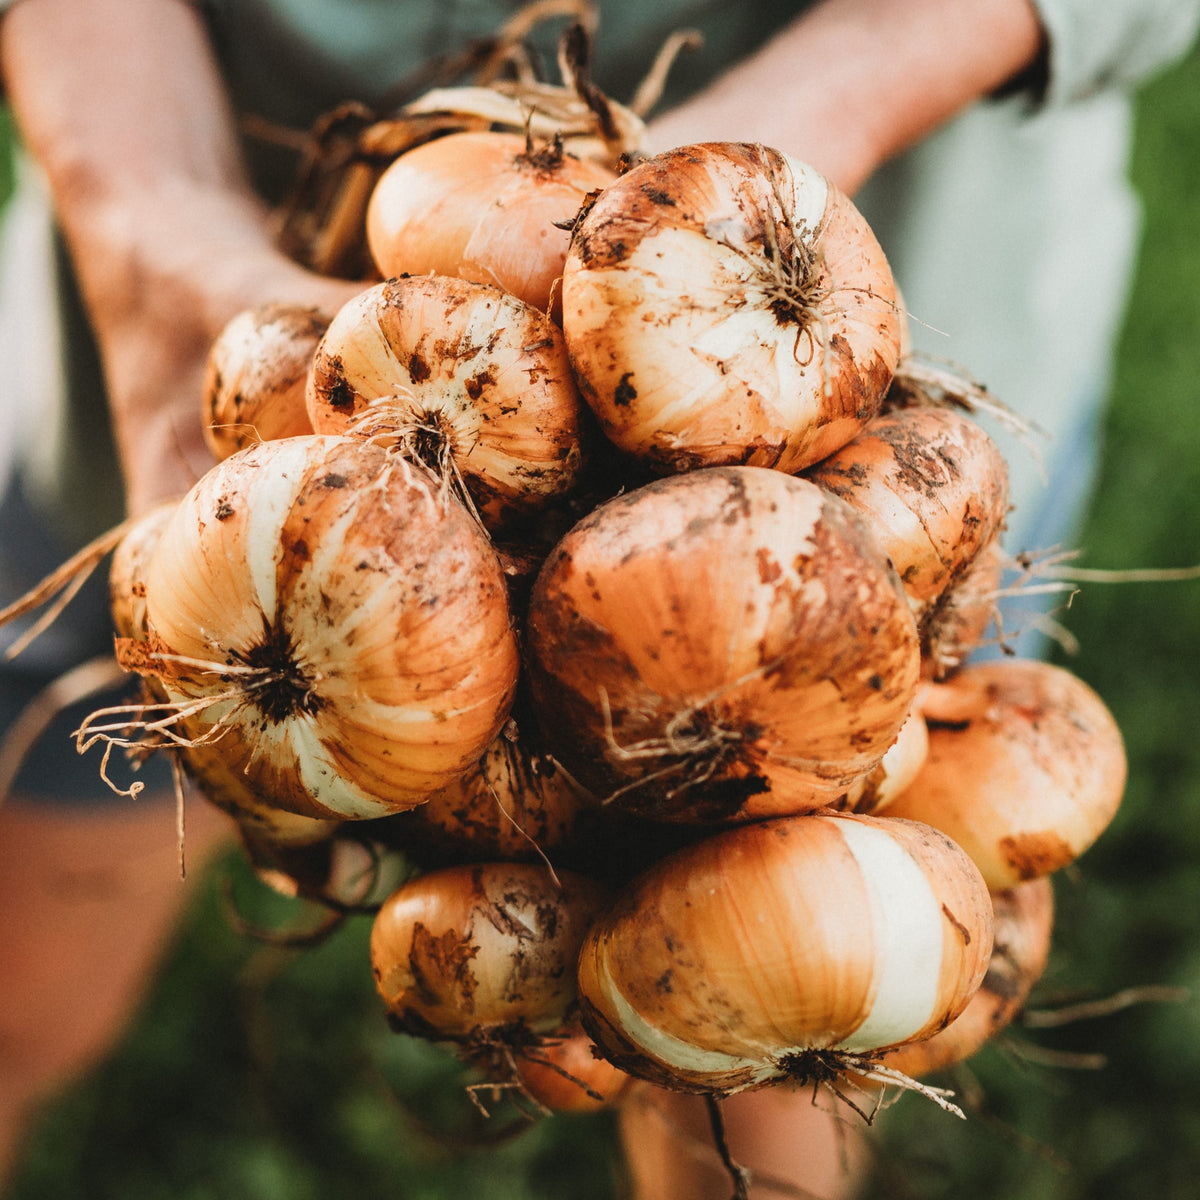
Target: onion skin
point(460, 366)
point(356, 624)
point(684, 341)
point(933, 486)
point(1026, 768)
point(565, 1073)
point(256, 377)
point(513, 803)
point(483, 206)
point(1024, 923)
point(482, 952)
point(782, 948)
point(127, 572)
point(739, 630)
point(955, 624)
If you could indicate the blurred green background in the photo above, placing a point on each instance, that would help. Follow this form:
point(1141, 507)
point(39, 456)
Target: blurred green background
point(253, 1071)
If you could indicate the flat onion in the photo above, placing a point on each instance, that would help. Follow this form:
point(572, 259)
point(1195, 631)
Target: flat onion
point(487, 206)
point(723, 303)
point(1026, 767)
point(484, 952)
point(794, 948)
point(464, 377)
point(724, 644)
point(331, 626)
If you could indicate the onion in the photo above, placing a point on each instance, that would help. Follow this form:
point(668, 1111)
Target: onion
point(724, 303)
point(127, 572)
point(956, 622)
point(565, 1073)
point(932, 485)
point(482, 954)
point(256, 376)
point(486, 206)
point(330, 627)
point(898, 767)
point(724, 644)
point(1026, 767)
point(514, 803)
point(1024, 922)
point(794, 948)
point(466, 378)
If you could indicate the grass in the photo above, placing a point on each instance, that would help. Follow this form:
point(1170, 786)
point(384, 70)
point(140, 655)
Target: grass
point(255, 1072)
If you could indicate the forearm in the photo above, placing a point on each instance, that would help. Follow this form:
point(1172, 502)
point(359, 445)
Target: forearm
point(851, 83)
point(121, 103)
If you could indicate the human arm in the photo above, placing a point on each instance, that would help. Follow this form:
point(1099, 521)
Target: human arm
point(850, 83)
point(122, 105)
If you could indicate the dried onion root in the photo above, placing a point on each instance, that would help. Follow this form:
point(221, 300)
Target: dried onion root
point(462, 377)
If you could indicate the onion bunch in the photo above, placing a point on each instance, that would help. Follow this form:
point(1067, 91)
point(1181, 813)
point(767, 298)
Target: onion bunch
point(742, 827)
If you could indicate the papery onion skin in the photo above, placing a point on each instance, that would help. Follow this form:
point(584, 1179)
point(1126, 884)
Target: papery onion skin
point(684, 341)
point(484, 206)
point(127, 572)
point(458, 366)
point(355, 620)
point(720, 645)
point(514, 803)
point(565, 1073)
point(959, 619)
point(256, 376)
point(933, 486)
point(730, 964)
point(483, 951)
point(1026, 767)
point(1024, 924)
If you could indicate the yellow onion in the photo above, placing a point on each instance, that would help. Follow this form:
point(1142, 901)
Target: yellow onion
point(256, 376)
point(793, 948)
point(897, 769)
point(932, 485)
point(1024, 922)
point(488, 206)
point(515, 802)
point(127, 572)
point(1026, 767)
point(465, 378)
point(724, 644)
point(564, 1072)
point(724, 303)
point(330, 627)
point(482, 953)
point(957, 621)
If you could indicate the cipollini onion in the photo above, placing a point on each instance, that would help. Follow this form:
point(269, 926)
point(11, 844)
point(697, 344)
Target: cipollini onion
point(256, 376)
point(1023, 925)
point(483, 953)
point(724, 644)
point(932, 484)
point(793, 948)
point(1026, 767)
point(724, 303)
point(331, 626)
point(465, 378)
point(488, 206)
